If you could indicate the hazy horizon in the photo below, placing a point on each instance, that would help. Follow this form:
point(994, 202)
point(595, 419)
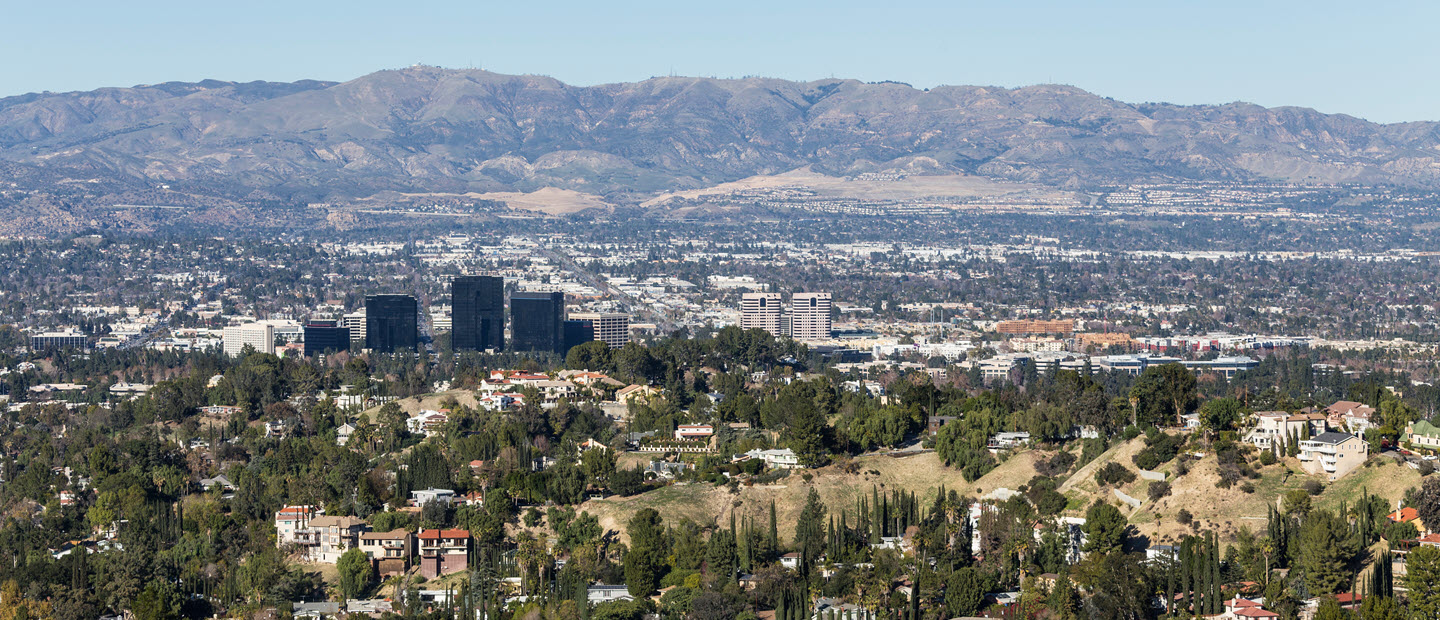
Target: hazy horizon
point(1363, 61)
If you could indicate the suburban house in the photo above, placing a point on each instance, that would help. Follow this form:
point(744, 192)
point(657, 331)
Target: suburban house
point(1334, 454)
point(293, 523)
point(425, 496)
point(1275, 428)
point(389, 551)
point(601, 593)
point(1002, 441)
point(694, 431)
point(443, 552)
point(591, 444)
point(636, 393)
point(935, 422)
point(1407, 514)
point(332, 536)
point(783, 458)
point(427, 422)
point(342, 434)
point(1422, 435)
point(1350, 415)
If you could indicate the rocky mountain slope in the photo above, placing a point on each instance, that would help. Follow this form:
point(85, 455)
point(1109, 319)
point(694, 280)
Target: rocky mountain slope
point(443, 130)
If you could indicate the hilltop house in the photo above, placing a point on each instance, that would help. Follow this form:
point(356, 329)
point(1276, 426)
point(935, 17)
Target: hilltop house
point(443, 552)
point(1347, 414)
point(1334, 454)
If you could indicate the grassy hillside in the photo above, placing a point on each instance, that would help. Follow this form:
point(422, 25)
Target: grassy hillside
point(922, 474)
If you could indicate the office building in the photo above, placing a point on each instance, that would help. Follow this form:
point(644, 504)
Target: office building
point(58, 340)
point(612, 328)
point(537, 321)
point(576, 333)
point(260, 336)
point(1035, 327)
point(325, 337)
point(761, 311)
point(355, 322)
point(391, 323)
point(477, 313)
point(810, 316)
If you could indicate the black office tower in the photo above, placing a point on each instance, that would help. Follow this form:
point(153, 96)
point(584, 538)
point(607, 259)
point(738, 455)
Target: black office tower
point(391, 323)
point(477, 313)
point(325, 337)
point(577, 333)
point(537, 321)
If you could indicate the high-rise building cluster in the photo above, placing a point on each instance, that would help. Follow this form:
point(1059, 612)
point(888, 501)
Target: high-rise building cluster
point(807, 319)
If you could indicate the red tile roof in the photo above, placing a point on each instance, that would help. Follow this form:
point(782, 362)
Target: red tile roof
point(1404, 515)
point(438, 534)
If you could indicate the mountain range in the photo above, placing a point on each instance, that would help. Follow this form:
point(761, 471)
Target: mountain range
point(429, 129)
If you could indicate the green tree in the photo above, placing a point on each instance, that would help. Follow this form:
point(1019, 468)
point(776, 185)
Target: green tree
point(810, 529)
point(158, 601)
point(645, 560)
point(1163, 391)
point(1422, 573)
point(355, 573)
point(1323, 552)
point(1105, 529)
point(964, 592)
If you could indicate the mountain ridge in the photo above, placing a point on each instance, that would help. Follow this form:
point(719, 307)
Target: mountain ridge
point(456, 130)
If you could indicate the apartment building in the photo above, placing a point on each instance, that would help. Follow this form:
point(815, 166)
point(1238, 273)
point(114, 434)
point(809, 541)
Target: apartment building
point(810, 316)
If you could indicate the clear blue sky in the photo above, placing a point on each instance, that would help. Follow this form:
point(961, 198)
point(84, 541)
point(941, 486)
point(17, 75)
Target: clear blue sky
point(1375, 60)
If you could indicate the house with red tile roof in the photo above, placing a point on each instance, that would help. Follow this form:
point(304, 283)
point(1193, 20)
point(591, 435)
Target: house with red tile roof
point(443, 551)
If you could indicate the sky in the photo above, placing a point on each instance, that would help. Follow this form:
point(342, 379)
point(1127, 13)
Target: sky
point(1375, 60)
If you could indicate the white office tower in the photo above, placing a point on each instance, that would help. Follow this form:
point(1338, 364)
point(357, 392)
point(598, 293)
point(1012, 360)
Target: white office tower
point(761, 311)
point(810, 316)
point(355, 322)
point(260, 336)
point(612, 328)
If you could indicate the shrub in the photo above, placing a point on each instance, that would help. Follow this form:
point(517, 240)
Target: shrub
point(1247, 487)
point(1055, 465)
point(1267, 458)
point(1184, 517)
point(1313, 487)
point(1113, 473)
point(1158, 490)
point(1132, 432)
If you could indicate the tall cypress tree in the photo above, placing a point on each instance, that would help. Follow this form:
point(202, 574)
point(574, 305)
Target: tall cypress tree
point(1202, 590)
point(1170, 584)
point(1187, 576)
point(774, 539)
point(1216, 594)
point(878, 521)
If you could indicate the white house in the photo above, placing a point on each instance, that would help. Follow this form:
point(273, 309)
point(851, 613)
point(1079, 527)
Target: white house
point(784, 458)
point(425, 496)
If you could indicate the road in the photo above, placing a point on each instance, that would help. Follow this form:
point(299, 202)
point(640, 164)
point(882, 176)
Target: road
point(632, 305)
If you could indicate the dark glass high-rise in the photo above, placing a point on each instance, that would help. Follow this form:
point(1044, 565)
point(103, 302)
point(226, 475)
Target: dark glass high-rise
point(477, 313)
point(537, 321)
point(322, 336)
point(391, 323)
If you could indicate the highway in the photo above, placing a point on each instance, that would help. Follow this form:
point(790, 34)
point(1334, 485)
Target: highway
point(632, 305)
